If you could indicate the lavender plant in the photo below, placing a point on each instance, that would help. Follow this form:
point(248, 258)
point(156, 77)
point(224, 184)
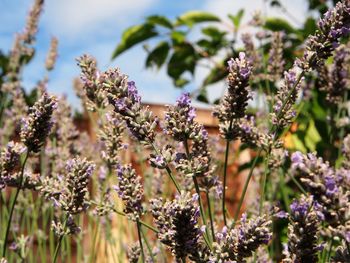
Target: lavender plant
point(52, 174)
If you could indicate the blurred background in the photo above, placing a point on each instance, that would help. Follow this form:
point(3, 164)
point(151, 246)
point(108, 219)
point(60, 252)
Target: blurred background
point(96, 27)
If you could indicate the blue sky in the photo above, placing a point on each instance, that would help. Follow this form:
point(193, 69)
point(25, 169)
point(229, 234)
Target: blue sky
point(95, 27)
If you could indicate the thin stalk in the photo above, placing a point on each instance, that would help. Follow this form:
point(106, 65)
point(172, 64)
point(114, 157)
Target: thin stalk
point(284, 194)
point(246, 186)
point(140, 240)
point(225, 175)
point(196, 186)
point(60, 240)
point(273, 129)
point(94, 241)
point(263, 185)
point(147, 245)
point(13, 205)
point(140, 221)
point(211, 217)
point(201, 208)
point(298, 185)
point(178, 188)
point(329, 252)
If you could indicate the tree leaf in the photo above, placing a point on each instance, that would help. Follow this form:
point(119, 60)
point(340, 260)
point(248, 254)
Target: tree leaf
point(134, 35)
point(203, 96)
point(158, 55)
point(160, 20)
point(236, 19)
point(278, 24)
point(216, 74)
point(181, 82)
point(213, 32)
point(183, 59)
point(178, 37)
point(193, 17)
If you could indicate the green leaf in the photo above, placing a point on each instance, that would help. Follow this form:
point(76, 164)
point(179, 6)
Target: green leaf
point(278, 24)
point(194, 17)
point(134, 35)
point(178, 37)
point(216, 74)
point(236, 19)
point(309, 27)
point(312, 136)
point(181, 82)
point(158, 55)
point(298, 144)
point(213, 32)
point(183, 59)
point(203, 96)
point(160, 20)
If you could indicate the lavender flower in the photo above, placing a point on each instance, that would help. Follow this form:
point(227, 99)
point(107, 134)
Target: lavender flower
point(287, 94)
point(234, 103)
point(342, 254)
point(241, 242)
point(302, 231)
point(75, 199)
point(52, 55)
point(123, 96)
point(9, 161)
point(339, 75)
point(70, 192)
point(36, 127)
point(252, 54)
point(346, 152)
point(111, 134)
point(321, 181)
point(334, 25)
point(134, 253)
point(130, 190)
point(90, 79)
point(177, 222)
point(179, 119)
point(276, 61)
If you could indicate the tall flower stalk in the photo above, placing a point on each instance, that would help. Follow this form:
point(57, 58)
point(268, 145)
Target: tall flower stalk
point(36, 127)
point(232, 109)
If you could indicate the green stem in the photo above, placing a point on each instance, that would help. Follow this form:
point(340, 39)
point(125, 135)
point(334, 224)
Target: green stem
point(263, 185)
point(330, 250)
point(147, 245)
point(140, 221)
point(13, 205)
point(196, 186)
point(55, 257)
point(211, 217)
point(224, 181)
point(140, 240)
point(273, 129)
point(167, 168)
point(298, 185)
point(246, 186)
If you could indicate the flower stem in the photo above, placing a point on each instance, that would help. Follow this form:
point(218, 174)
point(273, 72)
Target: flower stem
point(210, 216)
point(147, 245)
point(140, 240)
point(274, 129)
point(140, 221)
point(13, 205)
point(178, 188)
point(224, 181)
point(58, 246)
point(263, 184)
point(246, 186)
point(196, 186)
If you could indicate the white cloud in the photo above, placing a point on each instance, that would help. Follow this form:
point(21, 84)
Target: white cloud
point(76, 17)
point(297, 9)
